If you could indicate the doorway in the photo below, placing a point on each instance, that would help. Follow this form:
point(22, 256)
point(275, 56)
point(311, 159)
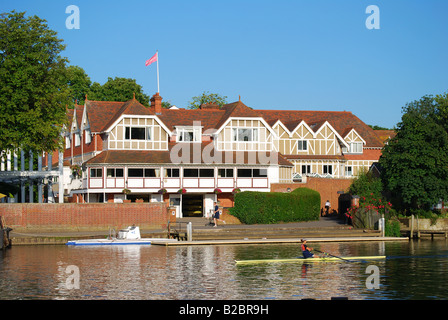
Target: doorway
point(192, 205)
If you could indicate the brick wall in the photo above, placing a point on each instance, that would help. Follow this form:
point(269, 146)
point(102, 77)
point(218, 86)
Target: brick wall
point(83, 217)
point(328, 188)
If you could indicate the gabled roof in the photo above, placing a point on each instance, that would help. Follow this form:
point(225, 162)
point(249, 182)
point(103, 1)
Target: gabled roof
point(102, 114)
point(208, 118)
point(236, 109)
point(341, 121)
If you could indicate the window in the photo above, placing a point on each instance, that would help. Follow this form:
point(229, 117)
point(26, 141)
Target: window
point(96, 172)
point(245, 134)
point(67, 142)
point(115, 173)
point(225, 173)
point(172, 173)
point(244, 173)
point(135, 173)
point(306, 169)
point(152, 173)
point(348, 171)
point(140, 172)
point(77, 139)
point(328, 169)
point(191, 173)
point(356, 147)
point(88, 136)
point(199, 173)
point(260, 173)
point(188, 134)
point(138, 133)
point(206, 173)
point(252, 173)
point(302, 145)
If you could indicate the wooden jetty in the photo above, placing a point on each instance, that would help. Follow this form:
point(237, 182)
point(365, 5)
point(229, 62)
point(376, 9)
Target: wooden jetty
point(246, 241)
point(4, 234)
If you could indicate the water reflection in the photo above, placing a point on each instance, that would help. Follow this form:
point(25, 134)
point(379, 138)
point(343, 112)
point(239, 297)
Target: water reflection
point(416, 270)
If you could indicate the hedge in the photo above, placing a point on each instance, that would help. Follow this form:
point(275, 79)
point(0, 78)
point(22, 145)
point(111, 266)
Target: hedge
point(251, 207)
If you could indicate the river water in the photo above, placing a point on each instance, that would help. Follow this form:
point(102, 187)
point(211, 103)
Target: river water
point(412, 270)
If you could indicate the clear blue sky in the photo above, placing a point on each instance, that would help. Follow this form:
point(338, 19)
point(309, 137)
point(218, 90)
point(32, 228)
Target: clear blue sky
point(295, 54)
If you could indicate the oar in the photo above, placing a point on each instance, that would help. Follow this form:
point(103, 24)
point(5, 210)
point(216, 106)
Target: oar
point(332, 255)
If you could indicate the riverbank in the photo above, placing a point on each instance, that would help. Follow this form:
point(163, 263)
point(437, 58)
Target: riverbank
point(326, 229)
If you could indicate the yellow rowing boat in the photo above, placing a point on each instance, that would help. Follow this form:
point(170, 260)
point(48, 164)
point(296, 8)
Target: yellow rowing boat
point(302, 260)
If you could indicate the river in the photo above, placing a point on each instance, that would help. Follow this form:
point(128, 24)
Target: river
point(412, 270)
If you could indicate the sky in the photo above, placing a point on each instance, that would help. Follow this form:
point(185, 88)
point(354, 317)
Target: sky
point(276, 55)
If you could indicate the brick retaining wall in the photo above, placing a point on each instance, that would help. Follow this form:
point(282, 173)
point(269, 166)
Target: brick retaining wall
point(83, 216)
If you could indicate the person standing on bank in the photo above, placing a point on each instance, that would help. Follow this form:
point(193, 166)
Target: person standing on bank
point(216, 214)
point(327, 207)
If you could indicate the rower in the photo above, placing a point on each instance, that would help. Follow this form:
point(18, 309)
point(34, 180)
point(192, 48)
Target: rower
point(306, 251)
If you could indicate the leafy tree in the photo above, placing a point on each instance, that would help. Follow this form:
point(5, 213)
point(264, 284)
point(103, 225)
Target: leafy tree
point(118, 89)
point(33, 84)
point(79, 83)
point(376, 127)
point(207, 98)
point(366, 184)
point(415, 161)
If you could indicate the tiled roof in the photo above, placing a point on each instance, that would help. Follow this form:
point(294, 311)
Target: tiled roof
point(102, 114)
point(341, 121)
point(209, 118)
point(385, 135)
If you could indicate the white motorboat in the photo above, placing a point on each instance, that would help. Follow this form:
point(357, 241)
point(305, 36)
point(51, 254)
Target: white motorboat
point(129, 236)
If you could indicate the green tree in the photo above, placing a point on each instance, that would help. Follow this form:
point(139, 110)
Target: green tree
point(415, 161)
point(366, 184)
point(207, 97)
point(118, 89)
point(33, 84)
point(79, 83)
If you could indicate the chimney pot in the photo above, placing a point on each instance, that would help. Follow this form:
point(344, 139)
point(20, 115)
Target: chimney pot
point(156, 103)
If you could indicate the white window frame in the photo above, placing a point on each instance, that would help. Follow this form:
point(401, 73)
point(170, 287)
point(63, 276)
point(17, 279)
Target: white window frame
point(356, 147)
point(88, 136)
point(348, 171)
point(181, 134)
point(302, 145)
point(254, 135)
point(327, 167)
point(148, 132)
point(77, 139)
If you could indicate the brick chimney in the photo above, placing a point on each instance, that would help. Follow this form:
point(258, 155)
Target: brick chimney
point(156, 103)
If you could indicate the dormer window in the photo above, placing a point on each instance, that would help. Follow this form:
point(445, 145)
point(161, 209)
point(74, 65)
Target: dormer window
point(77, 139)
point(188, 134)
point(356, 147)
point(138, 133)
point(245, 134)
point(88, 136)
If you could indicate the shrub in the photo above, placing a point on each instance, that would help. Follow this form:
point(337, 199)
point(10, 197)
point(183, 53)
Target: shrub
point(273, 207)
point(392, 228)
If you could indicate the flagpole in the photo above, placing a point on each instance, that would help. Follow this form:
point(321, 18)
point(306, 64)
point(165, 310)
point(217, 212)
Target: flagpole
point(158, 89)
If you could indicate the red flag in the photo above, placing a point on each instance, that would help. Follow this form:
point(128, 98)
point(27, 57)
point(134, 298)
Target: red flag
point(153, 59)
